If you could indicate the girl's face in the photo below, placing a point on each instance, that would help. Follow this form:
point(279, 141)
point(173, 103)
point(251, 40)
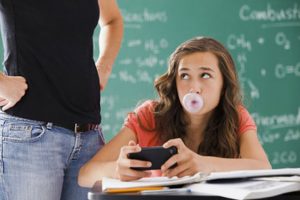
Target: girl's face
point(199, 72)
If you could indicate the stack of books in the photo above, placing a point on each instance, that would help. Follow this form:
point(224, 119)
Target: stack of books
point(246, 184)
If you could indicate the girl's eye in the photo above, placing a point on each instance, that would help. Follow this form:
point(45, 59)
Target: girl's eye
point(184, 76)
point(205, 75)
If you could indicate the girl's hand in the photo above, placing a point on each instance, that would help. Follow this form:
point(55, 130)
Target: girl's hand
point(124, 164)
point(187, 162)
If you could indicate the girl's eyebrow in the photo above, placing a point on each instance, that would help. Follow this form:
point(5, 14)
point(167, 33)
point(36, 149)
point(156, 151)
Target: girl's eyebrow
point(206, 68)
point(200, 68)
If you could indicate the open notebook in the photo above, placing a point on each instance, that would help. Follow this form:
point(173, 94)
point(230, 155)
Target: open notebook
point(150, 183)
point(111, 185)
point(245, 189)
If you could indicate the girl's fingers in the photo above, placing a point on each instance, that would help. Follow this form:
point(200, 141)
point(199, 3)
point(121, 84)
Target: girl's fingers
point(180, 168)
point(138, 163)
point(187, 172)
point(171, 142)
point(178, 143)
point(125, 170)
point(134, 176)
point(173, 162)
point(134, 173)
point(127, 178)
point(129, 149)
point(131, 143)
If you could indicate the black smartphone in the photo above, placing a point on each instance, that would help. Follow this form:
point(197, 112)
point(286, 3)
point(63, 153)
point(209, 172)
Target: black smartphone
point(156, 155)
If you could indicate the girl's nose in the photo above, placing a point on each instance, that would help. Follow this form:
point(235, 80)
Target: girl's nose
point(192, 90)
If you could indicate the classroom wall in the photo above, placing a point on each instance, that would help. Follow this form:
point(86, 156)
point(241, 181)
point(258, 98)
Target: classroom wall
point(263, 37)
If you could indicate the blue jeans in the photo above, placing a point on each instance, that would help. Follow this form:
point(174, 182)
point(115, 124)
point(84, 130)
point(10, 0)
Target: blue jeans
point(39, 161)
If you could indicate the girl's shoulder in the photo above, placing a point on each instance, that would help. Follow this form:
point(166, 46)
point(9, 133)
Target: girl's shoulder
point(246, 120)
point(146, 107)
point(243, 111)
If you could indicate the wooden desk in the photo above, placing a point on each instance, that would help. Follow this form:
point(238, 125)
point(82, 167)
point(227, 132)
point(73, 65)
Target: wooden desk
point(96, 194)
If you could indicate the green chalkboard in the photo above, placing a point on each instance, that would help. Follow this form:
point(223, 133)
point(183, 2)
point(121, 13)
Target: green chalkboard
point(263, 37)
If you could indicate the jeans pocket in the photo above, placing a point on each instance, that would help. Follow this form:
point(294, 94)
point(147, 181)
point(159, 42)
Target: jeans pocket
point(23, 132)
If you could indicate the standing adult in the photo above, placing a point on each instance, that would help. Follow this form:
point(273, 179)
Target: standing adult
point(54, 129)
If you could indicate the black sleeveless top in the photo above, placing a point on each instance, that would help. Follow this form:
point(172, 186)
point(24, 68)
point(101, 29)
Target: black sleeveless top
point(50, 44)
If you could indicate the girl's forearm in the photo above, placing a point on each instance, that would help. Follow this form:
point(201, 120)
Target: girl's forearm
point(94, 171)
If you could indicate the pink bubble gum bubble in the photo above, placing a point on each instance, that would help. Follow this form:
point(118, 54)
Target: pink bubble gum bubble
point(192, 102)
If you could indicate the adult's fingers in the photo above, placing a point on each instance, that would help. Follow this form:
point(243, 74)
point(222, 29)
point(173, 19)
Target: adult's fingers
point(7, 106)
point(19, 78)
point(3, 102)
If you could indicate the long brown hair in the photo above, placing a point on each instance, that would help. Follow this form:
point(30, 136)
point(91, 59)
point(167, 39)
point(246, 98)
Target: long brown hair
point(221, 134)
